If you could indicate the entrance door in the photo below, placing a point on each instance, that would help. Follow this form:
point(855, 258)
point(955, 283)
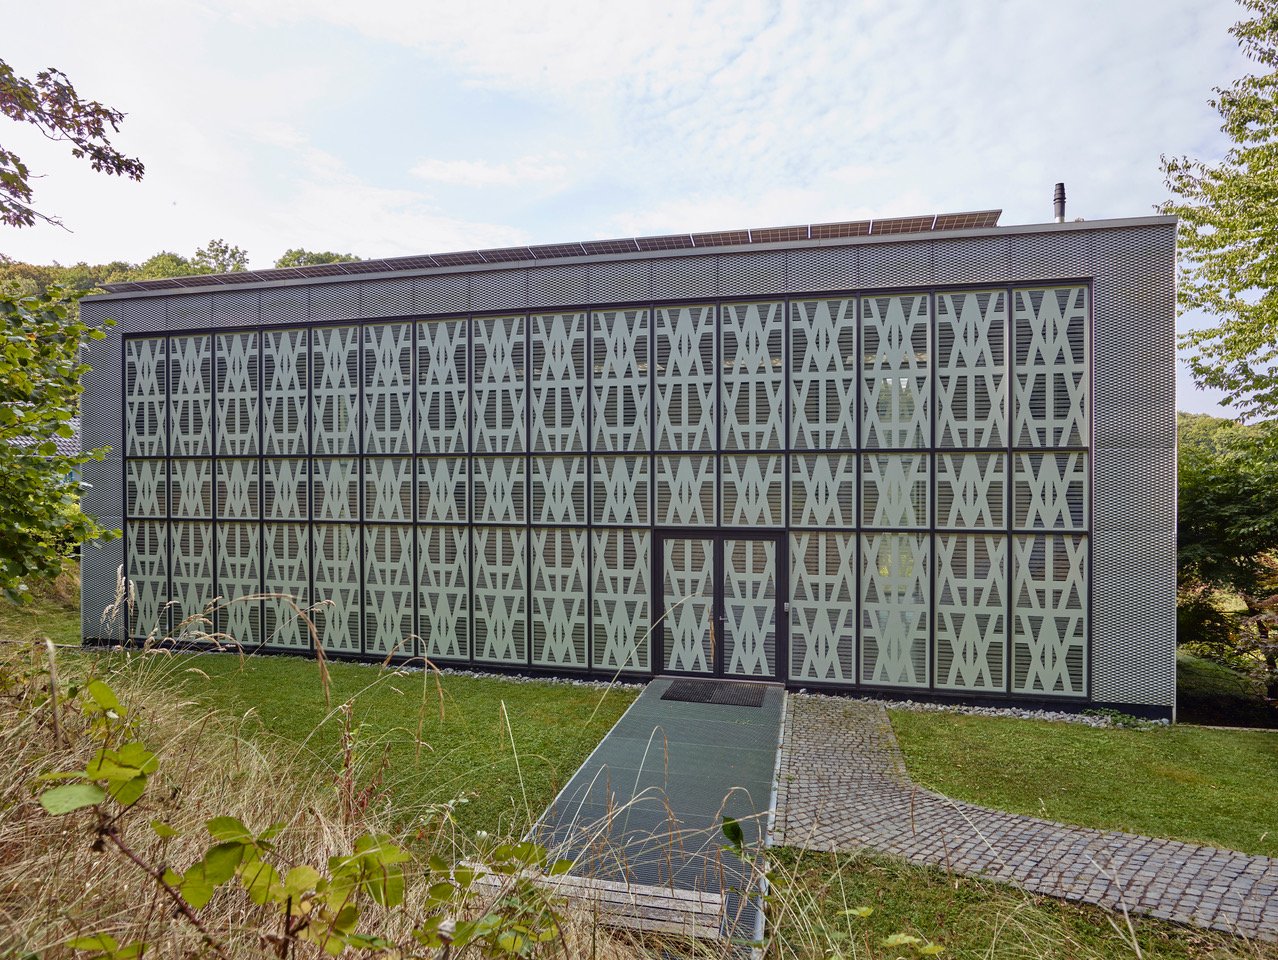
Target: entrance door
point(719, 600)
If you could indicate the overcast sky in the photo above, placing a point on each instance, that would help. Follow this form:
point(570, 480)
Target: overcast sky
point(393, 128)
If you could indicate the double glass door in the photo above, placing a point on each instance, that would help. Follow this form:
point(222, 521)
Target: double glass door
point(719, 597)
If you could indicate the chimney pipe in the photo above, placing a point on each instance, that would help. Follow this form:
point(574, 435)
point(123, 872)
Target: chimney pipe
point(1058, 202)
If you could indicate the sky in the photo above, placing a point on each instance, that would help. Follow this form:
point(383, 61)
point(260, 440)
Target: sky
point(396, 127)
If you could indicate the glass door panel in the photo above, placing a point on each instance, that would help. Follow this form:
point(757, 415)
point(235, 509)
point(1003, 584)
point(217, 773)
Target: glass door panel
point(688, 600)
point(750, 608)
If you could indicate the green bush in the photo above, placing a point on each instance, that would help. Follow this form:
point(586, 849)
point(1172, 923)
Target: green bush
point(1212, 693)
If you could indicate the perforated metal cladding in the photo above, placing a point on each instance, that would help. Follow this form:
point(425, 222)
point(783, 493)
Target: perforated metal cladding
point(558, 286)
point(823, 268)
point(101, 565)
point(688, 592)
point(500, 595)
point(386, 298)
point(685, 277)
point(619, 281)
point(286, 305)
point(334, 303)
point(441, 293)
point(388, 389)
point(236, 308)
point(560, 598)
point(146, 566)
point(389, 590)
point(1141, 604)
point(894, 490)
point(620, 563)
point(101, 425)
point(501, 290)
point(897, 264)
point(747, 274)
point(558, 378)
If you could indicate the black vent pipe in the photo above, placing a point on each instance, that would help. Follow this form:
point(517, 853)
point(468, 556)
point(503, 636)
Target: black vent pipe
point(1058, 202)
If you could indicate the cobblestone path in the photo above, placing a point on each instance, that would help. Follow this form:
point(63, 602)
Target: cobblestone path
point(843, 786)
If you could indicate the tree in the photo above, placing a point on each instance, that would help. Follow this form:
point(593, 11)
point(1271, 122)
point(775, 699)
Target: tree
point(50, 103)
point(218, 256)
point(40, 370)
point(298, 257)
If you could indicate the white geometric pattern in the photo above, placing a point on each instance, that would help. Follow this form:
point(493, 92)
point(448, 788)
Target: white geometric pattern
point(621, 599)
point(388, 489)
point(971, 612)
point(286, 487)
point(823, 374)
point(335, 489)
point(337, 575)
point(284, 392)
point(444, 594)
point(687, 585)
point(894, 610)
point(1050, 491)
point(286, 573)
point(750, 608)
point(190, 396)
point(895, 385)
point(753, 491)
point(753, 375)
point(621, 491)
point(559, 596)
point(148, 571)
point(388, 590)
point(388, 388)
point(147, 489)
point(823, 490)
point(894, 490)
point(620, 384)
point(192, 578)
point(498, 388)
point(685, 491)
point(971, 490)
point(146, 400)
point(237, 490)
point(558, 381)
point(823, 609)
point(971, 401)
point(559, 490)
point(239, 577)
point(1051, 367)
point(192, 489)
point(501, 581)
point(685, 378)
point(499, 489)
point(238, 394)
point(443, 390)
point(1049, 616)
point(441, 490)
point(335, 391)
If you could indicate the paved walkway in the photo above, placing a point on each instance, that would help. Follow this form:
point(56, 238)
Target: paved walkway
point(843, 786)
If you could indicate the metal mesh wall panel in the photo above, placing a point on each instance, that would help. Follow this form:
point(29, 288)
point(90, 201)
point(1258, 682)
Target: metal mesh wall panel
point(441, 294)
point(619, 281)
point(897, 264)
point(286, 305)
point(334, 303)
point(189, 310)
point(560, 600)
point(748, 274)
point(101, 566)
point(236, 308)
point(685, 277)
point(501, 290)
point(823, 268)
point(561, 286)
point(386, 298)
point(1052, 256)
point(1133, 661)
point(972, 260)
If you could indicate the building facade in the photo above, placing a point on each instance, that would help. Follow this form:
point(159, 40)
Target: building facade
point(929, 458)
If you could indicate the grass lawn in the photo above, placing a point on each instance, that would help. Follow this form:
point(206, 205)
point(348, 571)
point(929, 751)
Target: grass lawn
point(1190, 783)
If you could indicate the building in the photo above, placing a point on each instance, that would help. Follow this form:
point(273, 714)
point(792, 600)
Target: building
point(925, 457)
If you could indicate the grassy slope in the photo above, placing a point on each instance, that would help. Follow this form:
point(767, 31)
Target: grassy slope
point(1207, 786)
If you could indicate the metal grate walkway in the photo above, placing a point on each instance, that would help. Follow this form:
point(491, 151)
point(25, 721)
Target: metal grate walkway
point(647, 807)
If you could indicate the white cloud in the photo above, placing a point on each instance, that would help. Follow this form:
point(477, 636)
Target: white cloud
point(546, 171)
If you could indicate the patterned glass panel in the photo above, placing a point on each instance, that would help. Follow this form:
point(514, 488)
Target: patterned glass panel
point(238, 490)
point(501, 590)
point(1050, 491)
point(146, 397)
point(286, 582)
point(971, 612)
point(147, 489)
point(685, 378)
point(823, 609)
point(894, 490)
point(191, 396)
point(239, 577)
point(285, 488)
point(559, 490)
point(559, 382)
point(337, 590)
point(971, 398)
point(388, 591)
point(823, 375)
point(685, 491)
point(443, 396)
point(621, 491)
point(894, 610)
point(335, 391)
point(443, 594)
point(753, 339)
point(1049, 617)
point(191, 487)
point(388, 388)
point(823, 490)
point(499, 489)
point(148, 571)
point(620, 381)
point(1052, 406)
point(688, 588)
point(559, 595)
point(971, 490)
point(498, 389)
point(753, 493)
point(441, 490)
point(285, 384)
point(621, 623)
point(238, 394)
point(192, 546)
point(894, 358)
point(750, 608)
point(335, 489)
point(388, 489)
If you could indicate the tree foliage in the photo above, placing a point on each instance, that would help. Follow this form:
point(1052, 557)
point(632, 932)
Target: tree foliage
point(51, 104)
point(298, 257)
point(1228, 231)
point(40, 370)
